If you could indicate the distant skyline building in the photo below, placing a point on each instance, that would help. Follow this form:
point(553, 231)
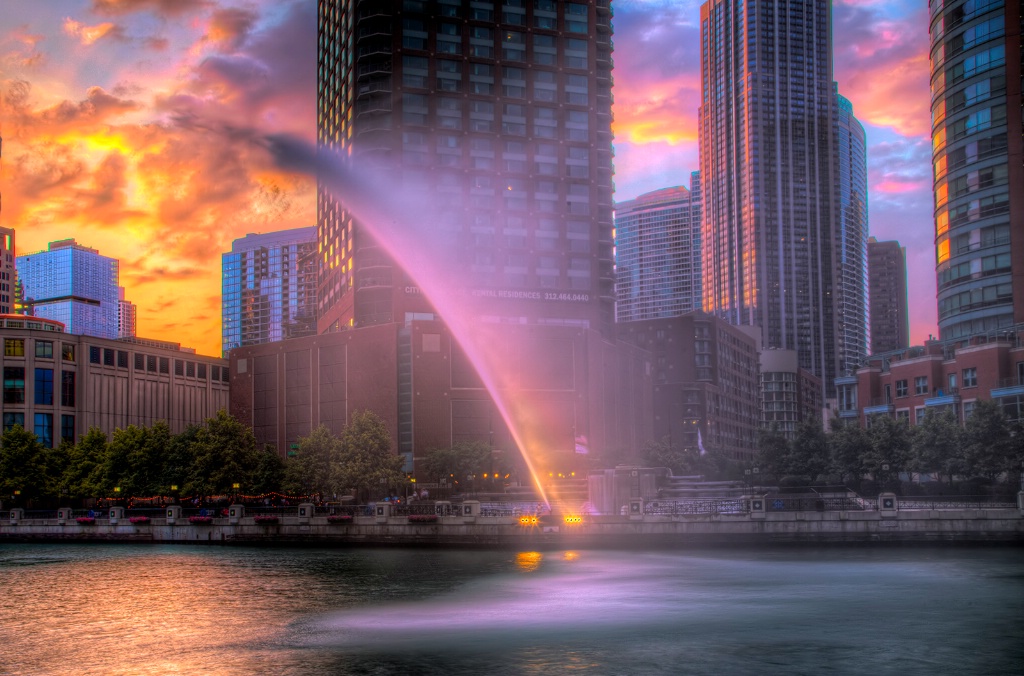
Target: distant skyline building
point(127, 316)
point(887, 289)
point(8, 273)
point(497, 117)
point(978, 158)
point(74, 285)
point(771, 174)
point(658, 253)
point(851, 267)
point(269, 288)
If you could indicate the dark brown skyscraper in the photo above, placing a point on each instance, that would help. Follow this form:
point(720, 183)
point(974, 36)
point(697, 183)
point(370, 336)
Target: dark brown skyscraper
point(499, 113)
point(887, 283)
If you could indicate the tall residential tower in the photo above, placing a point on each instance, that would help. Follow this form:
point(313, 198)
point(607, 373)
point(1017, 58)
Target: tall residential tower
point(657, 254)
point(771, 175)
point(978, 158)
point(887, 285)
point(269, 288)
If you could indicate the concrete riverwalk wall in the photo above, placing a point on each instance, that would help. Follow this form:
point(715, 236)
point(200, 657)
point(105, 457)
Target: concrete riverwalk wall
point(470, 529)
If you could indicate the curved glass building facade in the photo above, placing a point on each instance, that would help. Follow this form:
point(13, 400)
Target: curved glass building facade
point(977, 162)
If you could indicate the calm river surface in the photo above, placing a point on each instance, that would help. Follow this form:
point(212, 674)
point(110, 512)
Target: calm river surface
point(94, 609)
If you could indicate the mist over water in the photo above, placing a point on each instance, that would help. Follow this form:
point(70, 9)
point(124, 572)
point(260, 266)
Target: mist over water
point(158, 610)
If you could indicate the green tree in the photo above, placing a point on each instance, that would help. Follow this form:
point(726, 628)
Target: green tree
point(131, 463)
point(269, 475)
point(22, 465)
point(988, 448)
point(808, 455)
point(225, 453)
point(937, 445)
point(178, 460)
point(663, 454)
point(367, 462)
point(889, 453)
point(313, 467)
point(463, 459)
point(849, 444)
point(773, 451)
point(83, 474)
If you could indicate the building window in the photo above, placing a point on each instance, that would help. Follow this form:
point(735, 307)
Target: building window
point(67, 428)
point(108, 357)
point(122, 359)
point(202, 371)
point(67, 352)
point(12, 419)
point(921, 385)
point(67, 388)
point(919, 415)
point(179, 367)
point(901, 388)
point(215, 372)
point(970, 379)
point(140, 361)
point(165, 365)
point(14, 385)
point(94, 354)
point(44, 349)
point(224, 375)
point(44, 429)
point(190, 369)
point(44, 387)
point(151, 363)
point(14, 347)
point(969, 408)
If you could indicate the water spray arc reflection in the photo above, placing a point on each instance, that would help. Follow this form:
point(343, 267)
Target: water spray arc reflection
point(416, 244)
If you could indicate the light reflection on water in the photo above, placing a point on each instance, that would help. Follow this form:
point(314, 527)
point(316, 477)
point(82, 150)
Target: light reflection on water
point(164, 610)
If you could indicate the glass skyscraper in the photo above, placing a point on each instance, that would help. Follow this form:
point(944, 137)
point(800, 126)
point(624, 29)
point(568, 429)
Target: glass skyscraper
point(771, 173)
point(977, 151)
point(852, 326)
point(269, 288)
point(658, 254)
point(500, 113)
point(72, 284)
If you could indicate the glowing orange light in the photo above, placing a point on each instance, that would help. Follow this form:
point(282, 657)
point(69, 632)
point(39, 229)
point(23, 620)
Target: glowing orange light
point(573, 519)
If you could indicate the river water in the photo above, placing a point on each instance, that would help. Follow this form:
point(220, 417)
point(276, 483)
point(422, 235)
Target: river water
point(134, 609)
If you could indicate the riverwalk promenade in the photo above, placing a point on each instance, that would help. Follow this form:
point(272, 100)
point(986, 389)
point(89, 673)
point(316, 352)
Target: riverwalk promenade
point(757, 520)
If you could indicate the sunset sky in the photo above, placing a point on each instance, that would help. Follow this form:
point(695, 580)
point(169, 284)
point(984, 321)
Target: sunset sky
point(136, 127)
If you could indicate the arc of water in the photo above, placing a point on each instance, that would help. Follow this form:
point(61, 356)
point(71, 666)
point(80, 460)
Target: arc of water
point(412, 241)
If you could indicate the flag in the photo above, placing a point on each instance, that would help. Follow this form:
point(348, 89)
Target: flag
point(700, 443)
point(581, 445)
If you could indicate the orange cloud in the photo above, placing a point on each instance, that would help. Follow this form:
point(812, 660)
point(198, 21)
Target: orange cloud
point(87, 35)
point(164, 174)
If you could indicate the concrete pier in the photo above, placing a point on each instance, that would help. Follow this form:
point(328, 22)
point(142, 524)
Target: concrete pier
point(887, 523)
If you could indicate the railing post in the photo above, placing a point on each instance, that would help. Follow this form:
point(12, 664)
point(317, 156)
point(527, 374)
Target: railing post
point(470, 510)
point(235, 514)
point(383, 512)
point(888, 504)
point(306, 510)
point(636, 509)
point(1020, 502)
point(173, 514)
point(63, 515)
point(17, 514)
point(116, 514)
point(757, 508)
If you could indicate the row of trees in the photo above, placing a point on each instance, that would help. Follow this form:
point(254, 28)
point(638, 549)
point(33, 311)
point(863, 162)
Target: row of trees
point(203, 461)
point(988, 446)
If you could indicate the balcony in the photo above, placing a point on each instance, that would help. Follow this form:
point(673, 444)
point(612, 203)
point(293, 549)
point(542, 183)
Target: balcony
point(1008, 387)
point(944, 397)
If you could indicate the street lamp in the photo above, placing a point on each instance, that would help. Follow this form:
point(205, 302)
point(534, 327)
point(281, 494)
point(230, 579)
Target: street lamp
point(235, 486)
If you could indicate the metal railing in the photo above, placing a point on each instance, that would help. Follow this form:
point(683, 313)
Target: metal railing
point(699, 507)
point(954, 502)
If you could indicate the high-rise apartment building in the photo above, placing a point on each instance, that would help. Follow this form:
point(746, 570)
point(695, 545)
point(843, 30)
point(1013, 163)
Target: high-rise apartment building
point(269, 288)
point(127, 316)
point(887, 284)
point(978, 158)
point(74, 285)
point(851, 299)
point(770, 172)
point(8, 275)
point(657, 254)
point(498, 114)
